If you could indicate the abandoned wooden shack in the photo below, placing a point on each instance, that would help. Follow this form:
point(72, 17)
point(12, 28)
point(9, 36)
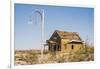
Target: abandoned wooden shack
point(64, 41)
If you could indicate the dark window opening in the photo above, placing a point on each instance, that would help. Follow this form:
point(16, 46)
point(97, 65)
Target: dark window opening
point(59, 48)
point(72, 46)
point(54, 48)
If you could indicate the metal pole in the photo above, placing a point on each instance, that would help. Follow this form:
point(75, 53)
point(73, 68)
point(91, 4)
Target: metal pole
point(42, 33)
point(41, 13)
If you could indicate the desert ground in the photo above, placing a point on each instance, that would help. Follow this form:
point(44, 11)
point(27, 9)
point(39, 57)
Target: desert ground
point(30, 57)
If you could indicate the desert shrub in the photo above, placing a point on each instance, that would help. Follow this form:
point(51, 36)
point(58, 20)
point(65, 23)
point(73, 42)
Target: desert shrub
point(84, 54)
point(31, 58)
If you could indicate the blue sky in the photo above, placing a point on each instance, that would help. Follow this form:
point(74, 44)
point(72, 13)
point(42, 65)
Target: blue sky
point(71, 19)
